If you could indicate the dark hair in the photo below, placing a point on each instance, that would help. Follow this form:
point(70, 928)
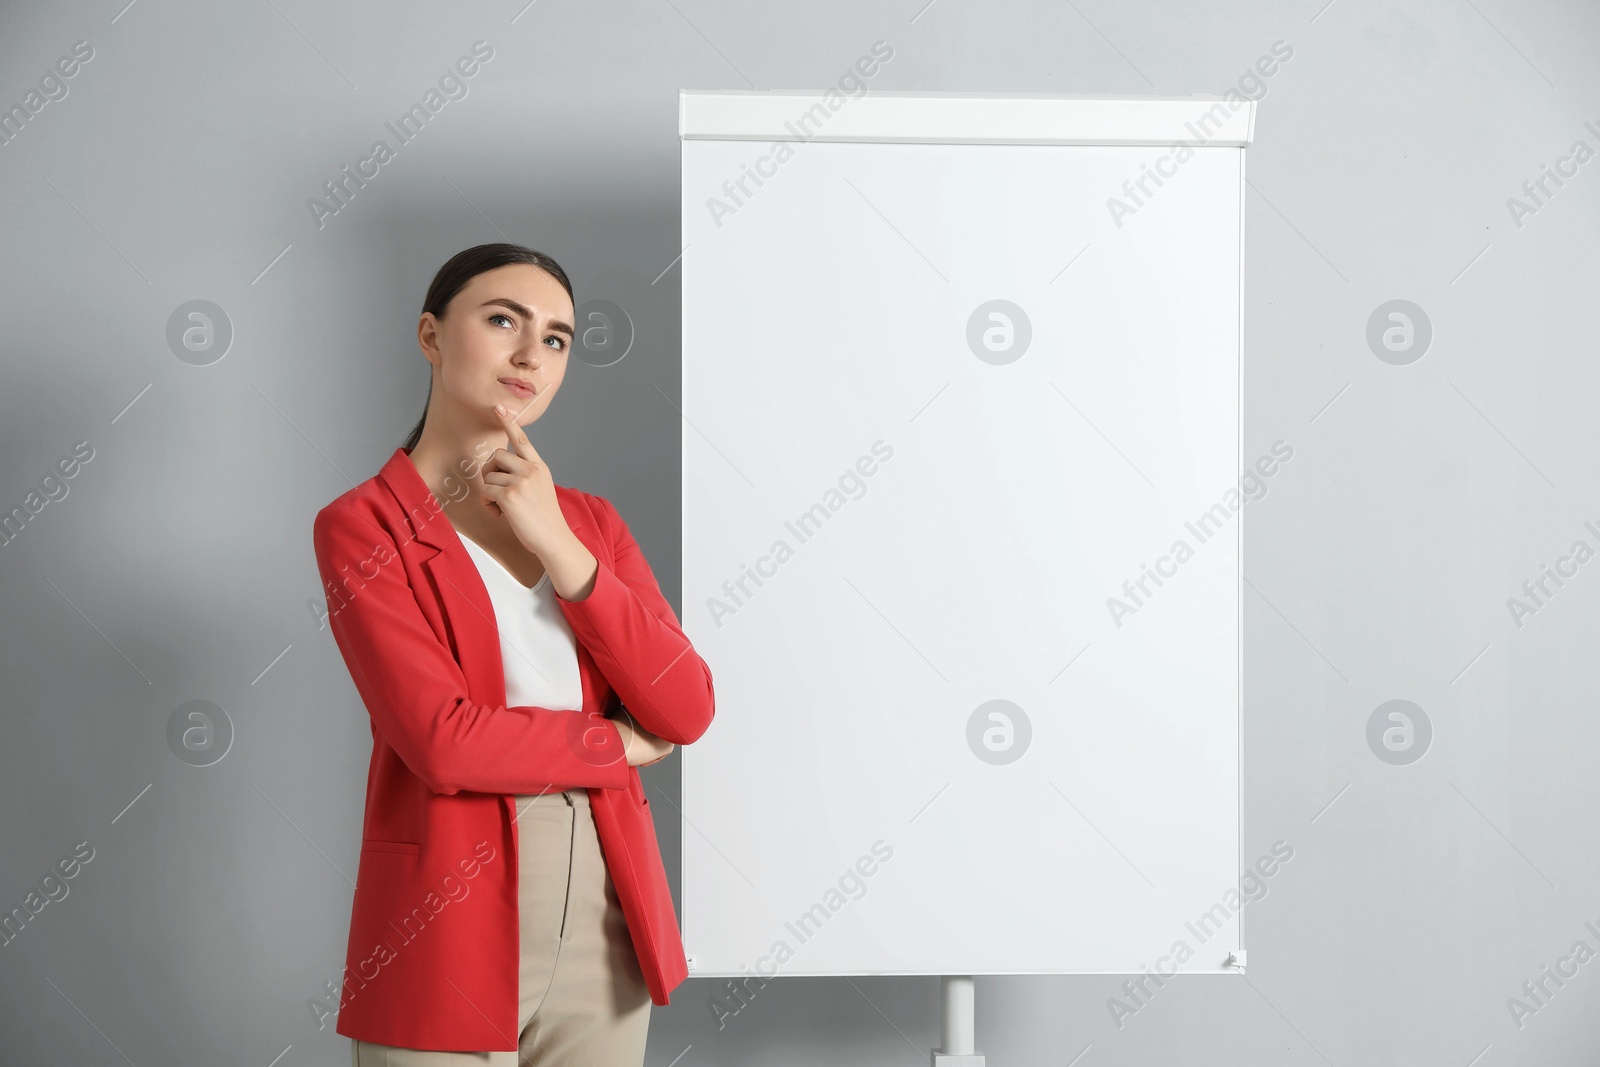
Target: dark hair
point(461, 269)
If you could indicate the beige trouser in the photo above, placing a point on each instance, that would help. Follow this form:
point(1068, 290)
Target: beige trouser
point(582, 997)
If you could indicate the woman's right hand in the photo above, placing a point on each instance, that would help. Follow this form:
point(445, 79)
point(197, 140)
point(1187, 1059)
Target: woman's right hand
point(643, 747)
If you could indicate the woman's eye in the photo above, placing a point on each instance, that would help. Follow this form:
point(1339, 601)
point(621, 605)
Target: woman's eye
point(498, 315)
point(560, 341)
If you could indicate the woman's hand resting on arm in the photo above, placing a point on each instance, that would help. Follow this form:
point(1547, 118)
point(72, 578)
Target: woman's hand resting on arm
point(642, 747)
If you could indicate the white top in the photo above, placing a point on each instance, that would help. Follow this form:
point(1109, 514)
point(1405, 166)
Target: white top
point(537, 647)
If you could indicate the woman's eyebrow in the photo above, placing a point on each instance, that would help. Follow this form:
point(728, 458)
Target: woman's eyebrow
point(527, 313)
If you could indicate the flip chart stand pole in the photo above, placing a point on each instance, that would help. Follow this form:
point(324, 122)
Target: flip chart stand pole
point(958, 1024)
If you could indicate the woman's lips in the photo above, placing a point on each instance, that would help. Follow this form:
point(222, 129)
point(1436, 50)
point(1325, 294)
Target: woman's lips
point(517, 387)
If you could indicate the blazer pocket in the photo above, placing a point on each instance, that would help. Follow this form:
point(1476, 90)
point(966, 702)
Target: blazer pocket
point(404, 848)
point(636, 789)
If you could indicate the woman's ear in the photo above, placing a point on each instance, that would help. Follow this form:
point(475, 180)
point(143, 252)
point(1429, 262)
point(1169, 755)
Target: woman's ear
point(428, 337)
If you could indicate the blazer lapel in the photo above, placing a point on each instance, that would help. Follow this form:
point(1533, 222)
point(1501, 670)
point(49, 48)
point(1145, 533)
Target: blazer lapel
point(463, 598)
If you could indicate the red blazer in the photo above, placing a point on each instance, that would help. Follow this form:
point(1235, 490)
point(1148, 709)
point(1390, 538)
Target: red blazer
point(432, 960)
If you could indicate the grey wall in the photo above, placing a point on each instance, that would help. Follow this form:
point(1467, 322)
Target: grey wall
point(177, 567)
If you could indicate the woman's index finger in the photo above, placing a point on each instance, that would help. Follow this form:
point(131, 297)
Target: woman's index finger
point(514, 436)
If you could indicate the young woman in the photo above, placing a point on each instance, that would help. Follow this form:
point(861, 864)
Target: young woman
point(518, 663)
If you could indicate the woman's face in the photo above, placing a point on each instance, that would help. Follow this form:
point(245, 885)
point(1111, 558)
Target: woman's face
point(504, 339)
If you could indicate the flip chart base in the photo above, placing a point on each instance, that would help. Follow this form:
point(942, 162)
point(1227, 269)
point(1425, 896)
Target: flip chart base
point(958, 1023)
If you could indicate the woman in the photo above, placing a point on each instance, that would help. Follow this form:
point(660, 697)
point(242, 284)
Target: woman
point(511, 906)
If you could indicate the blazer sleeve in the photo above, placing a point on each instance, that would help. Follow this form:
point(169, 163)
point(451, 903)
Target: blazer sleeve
point(416, 693)
point(634, 637)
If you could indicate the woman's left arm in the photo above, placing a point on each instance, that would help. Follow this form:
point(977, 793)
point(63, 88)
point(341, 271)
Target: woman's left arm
point(624, 621)
point(634, 637)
